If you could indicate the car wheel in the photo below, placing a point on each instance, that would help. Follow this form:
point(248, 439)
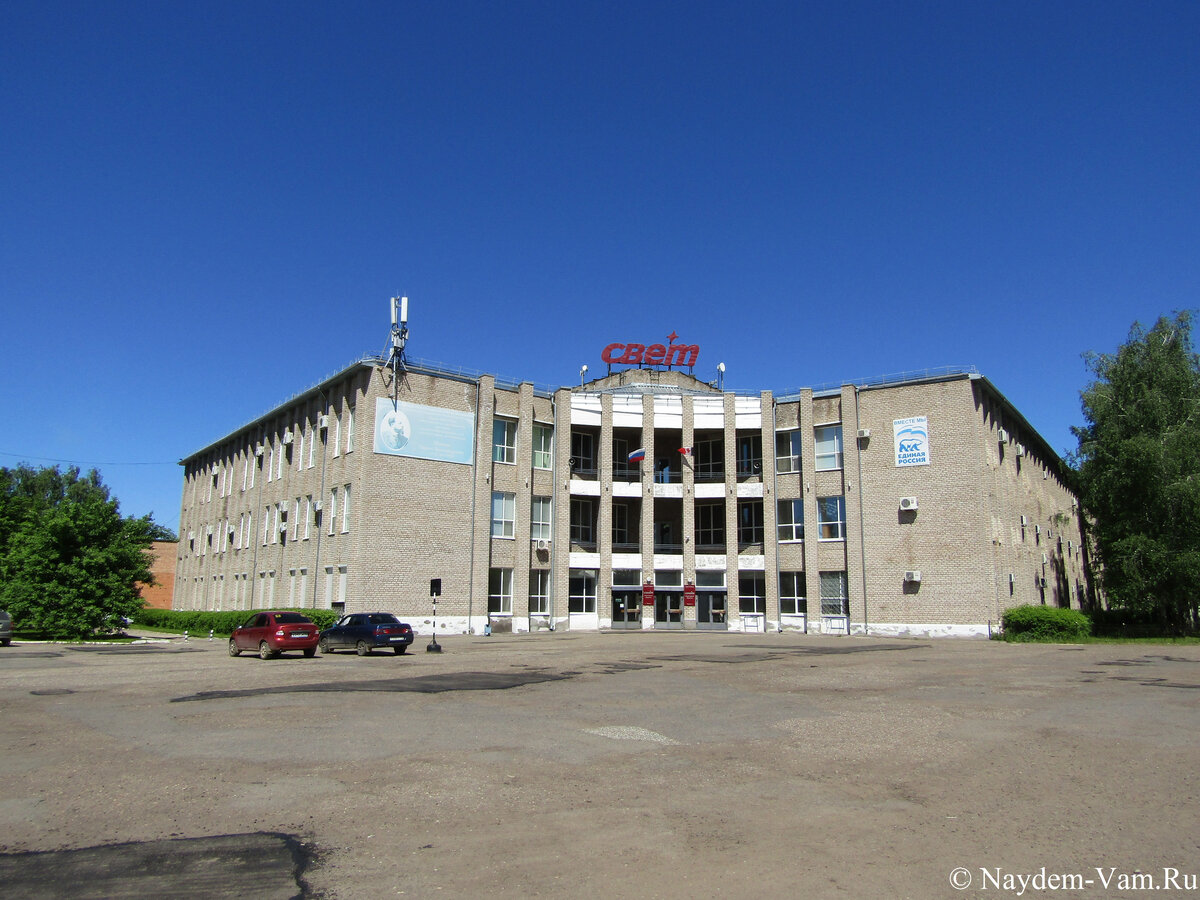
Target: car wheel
point(264, 651)
point(324, 646)
point(7, 642)
point(400, 650)
point(363, 648)
point(233, 648)
point(310, 652)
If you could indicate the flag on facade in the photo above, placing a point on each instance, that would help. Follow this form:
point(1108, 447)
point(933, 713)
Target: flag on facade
point(686, 451)
point(638, 455)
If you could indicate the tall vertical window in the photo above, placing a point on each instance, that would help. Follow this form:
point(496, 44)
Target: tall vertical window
point(710, 459)
point(332, 508)
point(581, 591)
point(282, 455)
point(270, 465)
point(543, 445)
point(312, 448)
point(246, 473)
point(828, 451)
point(337, 434)
point(275, 526)
point(710, 524)
point(583, 452)
point(620, 525)
point(790, 520)
point(539, 519)
point(787, 451)
point(793, 600)
point(831, 517)
point(296, 520)
point(582, 518)
point(833, 593)
point(749, 454)
point(350, 428)
point(308, 513)
point(750, 521)
point(752, 592)
point(345, 509)
point(504, 441)
point(300, 449)
point(539, 592)
point(504, 514)
point(500, 592)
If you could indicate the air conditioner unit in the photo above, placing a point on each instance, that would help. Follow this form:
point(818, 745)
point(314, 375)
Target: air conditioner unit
point(259, 450)
point(908, 503)
point(1002, 435)
point(543, 545)
point(1020, 450)
point(323, 422)
point(1024, 521)
point(864, 433)
point(287, 437)
point(316, 506)
point(913, 576)
point(282, 527)
point(1045, 559)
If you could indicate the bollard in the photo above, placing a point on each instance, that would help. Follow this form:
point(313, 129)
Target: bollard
point(185, 635)
point(210, 634)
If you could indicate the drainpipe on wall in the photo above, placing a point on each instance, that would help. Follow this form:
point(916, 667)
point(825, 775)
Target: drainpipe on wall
point(474, 494)
point(862, 540)
point(254, 537)
point(321, 499)
point(775, 492)
point(553, 508)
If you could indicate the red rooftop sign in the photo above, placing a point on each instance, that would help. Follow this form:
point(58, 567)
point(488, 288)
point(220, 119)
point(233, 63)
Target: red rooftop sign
point(672, 354)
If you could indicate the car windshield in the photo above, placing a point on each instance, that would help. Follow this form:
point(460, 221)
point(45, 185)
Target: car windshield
point(382, 619)
point(290, 619)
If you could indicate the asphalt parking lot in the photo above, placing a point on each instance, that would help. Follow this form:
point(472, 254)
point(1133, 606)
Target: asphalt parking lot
point(622, 765)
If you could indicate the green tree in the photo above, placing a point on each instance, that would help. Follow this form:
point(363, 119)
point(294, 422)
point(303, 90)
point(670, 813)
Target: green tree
point(69, 562)
point(1138, 464)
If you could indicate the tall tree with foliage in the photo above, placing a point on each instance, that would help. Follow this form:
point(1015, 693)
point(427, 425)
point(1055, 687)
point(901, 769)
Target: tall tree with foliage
point(1139, 472)
point(70, 564)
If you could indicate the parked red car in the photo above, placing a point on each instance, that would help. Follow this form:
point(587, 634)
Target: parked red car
point(271, 633)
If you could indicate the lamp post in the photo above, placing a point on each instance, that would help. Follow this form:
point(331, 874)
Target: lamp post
point(435, 591)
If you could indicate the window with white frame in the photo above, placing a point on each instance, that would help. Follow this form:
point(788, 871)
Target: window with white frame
point(345, 509)
point(350, 428)
point(504, 514)
point(333, 506)
point(300, 449)
point(828, 451)
point(789, 524)
point(539, 592)
point(581, 591)
point(787, 451)
point(539, 519)
point(500, 591)
point(543, 445)
point(752, 593)
point(833, 593)
point(308, 514)
point(282, 455)
point(296, 520)
point(337, 434)
point(270, 465)
point(793, 599)
point(312, 447)
point(831, 518)
point(504, 441)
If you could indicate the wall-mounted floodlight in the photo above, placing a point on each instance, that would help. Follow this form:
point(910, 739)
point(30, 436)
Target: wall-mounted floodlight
point(720, 375)
point(582, 374)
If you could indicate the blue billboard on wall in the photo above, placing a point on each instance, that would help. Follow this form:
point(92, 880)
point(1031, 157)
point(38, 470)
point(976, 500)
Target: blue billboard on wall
point(424, 432)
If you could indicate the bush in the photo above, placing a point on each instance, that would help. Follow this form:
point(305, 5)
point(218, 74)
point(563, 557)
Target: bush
point(197, 621)
point(1046, 623)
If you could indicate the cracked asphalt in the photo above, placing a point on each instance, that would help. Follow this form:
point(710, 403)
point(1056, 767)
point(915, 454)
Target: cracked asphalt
point(578, 765)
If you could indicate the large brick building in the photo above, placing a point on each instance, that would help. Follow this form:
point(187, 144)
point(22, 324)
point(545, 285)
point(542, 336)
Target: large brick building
point(922, 505)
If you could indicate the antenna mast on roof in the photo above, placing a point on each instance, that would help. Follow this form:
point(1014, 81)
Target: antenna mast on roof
point(399, 339)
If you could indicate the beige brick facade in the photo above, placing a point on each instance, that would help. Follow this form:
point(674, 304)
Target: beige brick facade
point(541, 522)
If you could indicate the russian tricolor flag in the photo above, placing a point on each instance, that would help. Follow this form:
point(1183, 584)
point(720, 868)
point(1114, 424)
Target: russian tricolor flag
point(638, 455)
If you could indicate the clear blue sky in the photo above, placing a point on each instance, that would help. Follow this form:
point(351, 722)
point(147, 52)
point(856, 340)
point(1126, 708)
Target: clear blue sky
point(206, 206)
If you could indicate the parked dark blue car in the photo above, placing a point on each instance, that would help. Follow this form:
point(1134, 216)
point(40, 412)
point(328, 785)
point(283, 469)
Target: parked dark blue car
point(363, 632)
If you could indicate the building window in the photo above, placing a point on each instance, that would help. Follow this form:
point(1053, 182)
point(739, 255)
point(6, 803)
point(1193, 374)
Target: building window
point(620, 525)
point(308, 514)
point(710, 459)
point(581, 591)
point(582, 530)
point(750, 521)
point(539, 519)
point(312, 448)
point(539, 592)
point(270, 465)
point(710, 524)
point(300, 449)
point(833, 593)
point(350, 428)
point(792, 594)
point(828, 453)
point(504, 514)
point(831, 518)
point(790, 524)
point(332, 508)
point(583, 452)
point(787, 451)
point(500, 591)
point(345, 509)
point(337, 434)
point(543, 446)
point(752, 593)
point(296, 520)
point(504, 441)
point(749, 455)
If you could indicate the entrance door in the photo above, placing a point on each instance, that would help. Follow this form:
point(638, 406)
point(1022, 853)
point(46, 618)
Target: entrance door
point(627, 609)
point(668, 609)
point(711, 611)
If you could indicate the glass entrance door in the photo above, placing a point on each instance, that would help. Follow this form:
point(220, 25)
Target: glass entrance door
point(711, 611)
point(668, 609)
point(627, 609)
